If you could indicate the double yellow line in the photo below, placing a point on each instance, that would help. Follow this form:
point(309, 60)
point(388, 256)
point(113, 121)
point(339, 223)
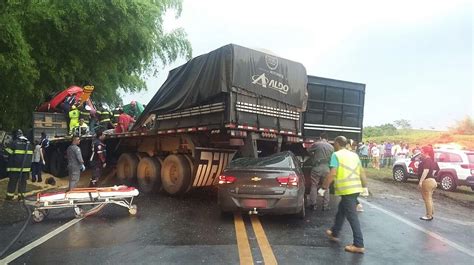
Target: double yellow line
point(245, 254)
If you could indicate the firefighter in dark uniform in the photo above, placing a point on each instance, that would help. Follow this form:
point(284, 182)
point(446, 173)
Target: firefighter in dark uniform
point(104, 119)
point(84, 114)
point(115, 117)
point(98, 158)
point(20, 155)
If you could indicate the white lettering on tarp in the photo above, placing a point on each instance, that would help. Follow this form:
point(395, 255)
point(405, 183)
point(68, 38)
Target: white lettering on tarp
point(265, 82)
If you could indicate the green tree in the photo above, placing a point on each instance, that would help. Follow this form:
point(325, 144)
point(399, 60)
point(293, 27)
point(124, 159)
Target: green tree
point(381, 130)
point(402, 124)
point(48, 45)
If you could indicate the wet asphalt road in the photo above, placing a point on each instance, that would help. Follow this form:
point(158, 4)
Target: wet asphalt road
point(190, 230)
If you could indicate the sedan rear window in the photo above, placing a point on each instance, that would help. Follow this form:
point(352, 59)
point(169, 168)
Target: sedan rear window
point(280, 160)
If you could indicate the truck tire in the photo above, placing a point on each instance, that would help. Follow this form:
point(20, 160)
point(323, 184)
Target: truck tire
point(149, 174)
point(127, 168)
point(175, 174)
point(58, 164)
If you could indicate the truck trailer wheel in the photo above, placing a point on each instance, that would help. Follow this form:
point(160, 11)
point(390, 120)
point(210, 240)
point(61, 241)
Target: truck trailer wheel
point(149, 174)
point(175, 174)
point(127, 168)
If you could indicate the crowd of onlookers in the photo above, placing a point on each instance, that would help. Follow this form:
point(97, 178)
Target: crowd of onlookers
point(381, 155)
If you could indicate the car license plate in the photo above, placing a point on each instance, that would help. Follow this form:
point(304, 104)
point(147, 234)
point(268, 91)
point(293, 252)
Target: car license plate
point(254, 203)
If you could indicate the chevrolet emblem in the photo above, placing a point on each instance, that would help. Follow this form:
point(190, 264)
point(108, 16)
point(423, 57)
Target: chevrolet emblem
point(256, 179)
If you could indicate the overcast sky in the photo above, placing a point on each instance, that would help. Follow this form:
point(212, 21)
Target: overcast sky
point(414, 56)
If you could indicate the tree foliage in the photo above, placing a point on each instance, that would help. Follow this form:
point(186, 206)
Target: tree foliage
point(402, 124)
point(381, 130)
point(465, 126)
point(48, 45)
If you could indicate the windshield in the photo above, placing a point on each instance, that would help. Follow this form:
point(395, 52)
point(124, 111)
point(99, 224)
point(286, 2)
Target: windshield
point(280, 160)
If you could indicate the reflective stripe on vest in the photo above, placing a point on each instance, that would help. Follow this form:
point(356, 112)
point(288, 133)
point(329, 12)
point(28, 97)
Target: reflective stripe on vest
point(9, 150)
point(18, 169)
point(22, 152)
point(347, 179)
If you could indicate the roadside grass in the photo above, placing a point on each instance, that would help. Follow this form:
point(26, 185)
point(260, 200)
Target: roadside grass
point(424, 137)
point(462, 194)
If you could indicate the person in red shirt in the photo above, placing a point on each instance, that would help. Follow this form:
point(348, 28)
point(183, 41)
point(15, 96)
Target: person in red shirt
point(124, 121)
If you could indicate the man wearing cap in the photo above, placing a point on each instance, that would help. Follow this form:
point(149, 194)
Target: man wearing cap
point(349, 180)
point(20, 155)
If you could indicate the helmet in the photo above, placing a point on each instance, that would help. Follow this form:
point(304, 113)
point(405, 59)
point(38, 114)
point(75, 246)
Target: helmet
point(18, 133)
point(73, 107)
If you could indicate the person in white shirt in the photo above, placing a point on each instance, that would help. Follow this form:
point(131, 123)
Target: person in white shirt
point(375, 156)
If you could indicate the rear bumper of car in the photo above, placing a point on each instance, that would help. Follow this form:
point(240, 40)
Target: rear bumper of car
point(290, 202)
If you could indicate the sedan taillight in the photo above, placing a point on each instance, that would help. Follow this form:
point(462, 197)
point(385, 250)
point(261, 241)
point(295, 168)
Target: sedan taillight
point(291, 180)
point(223, 179)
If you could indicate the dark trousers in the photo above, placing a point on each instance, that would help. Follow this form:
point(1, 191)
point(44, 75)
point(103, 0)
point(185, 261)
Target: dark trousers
point(17, 179)
point(36, 168)
point(347, 209)
point(364, 160)
point(96, 173)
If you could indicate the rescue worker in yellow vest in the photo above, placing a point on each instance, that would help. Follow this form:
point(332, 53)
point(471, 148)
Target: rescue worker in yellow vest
point(20, 156)
point(73, 118)
point(349, 181)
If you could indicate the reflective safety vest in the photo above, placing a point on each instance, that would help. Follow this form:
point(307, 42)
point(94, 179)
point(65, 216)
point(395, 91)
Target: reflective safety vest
point(20, 155)
point(347, 179)
point(74, 119)
point(104, 116)
point(85, 114)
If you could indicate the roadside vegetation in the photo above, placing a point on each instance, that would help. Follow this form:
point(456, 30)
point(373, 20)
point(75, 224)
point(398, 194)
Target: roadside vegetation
point(461, 134)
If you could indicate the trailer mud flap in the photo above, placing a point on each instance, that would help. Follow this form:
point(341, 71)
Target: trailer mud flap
point(210, 163)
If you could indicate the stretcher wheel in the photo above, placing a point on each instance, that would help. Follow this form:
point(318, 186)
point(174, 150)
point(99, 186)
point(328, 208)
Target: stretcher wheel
point(38, 215)
point(133, 209)
point(78, 212)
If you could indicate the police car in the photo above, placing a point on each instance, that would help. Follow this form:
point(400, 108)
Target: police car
point(456, 168)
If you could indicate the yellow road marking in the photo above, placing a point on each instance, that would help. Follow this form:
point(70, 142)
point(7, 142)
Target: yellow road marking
point(245, 254)
point(267, 252)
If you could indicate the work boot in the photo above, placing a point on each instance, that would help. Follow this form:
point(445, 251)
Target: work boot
point(331, 236)
point(40, 179)
point(21, 197)
point(354, 249)
point(9, 197)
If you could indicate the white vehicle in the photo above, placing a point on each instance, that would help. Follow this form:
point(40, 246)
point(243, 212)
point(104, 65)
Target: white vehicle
point(456, 168)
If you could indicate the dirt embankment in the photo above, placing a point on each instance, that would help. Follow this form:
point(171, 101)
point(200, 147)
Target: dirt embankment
point(409, 190)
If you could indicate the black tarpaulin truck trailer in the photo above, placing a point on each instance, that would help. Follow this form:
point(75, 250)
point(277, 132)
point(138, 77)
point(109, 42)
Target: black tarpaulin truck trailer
point(335, 107)
point(233, 101)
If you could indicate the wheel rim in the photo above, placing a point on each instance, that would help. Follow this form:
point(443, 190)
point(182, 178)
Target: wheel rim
point(173, 174)
point(398, 175)
point(447, 183)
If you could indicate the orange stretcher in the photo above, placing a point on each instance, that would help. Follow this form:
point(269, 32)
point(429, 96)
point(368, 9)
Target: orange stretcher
point(80, 197)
